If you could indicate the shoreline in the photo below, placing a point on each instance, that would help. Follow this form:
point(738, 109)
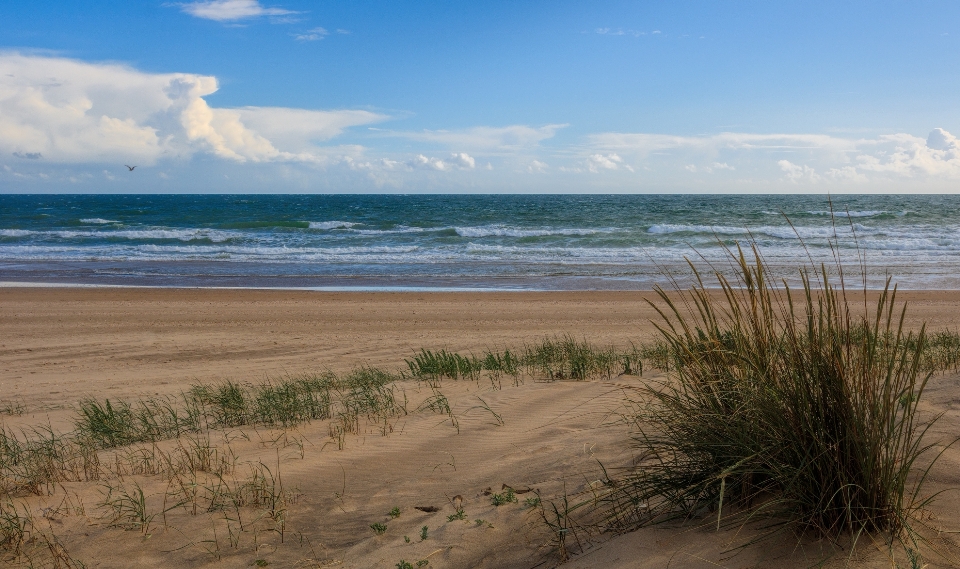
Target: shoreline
point(408, 289)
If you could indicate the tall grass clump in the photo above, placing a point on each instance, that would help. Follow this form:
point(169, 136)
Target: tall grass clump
point(110, 424)
point(569, 358)
point(794, 406)
point(553, 358)
point(440, 364)
point(34, 461)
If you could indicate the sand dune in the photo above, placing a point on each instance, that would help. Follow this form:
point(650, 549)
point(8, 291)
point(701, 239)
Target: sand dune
point(58, 346)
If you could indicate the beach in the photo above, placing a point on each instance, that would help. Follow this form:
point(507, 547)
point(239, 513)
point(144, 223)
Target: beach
point(62, 345)
point(500, 285)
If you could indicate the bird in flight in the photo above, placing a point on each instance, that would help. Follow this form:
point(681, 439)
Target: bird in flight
point(130, 167)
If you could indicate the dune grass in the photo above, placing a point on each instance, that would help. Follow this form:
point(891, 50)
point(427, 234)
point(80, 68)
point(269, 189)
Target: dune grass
point(33, 461)
point(799, 408)
point(281, 403)
point(788, 406)
point(555, 358)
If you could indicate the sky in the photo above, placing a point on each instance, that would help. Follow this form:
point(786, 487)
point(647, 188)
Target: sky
point(293, 96)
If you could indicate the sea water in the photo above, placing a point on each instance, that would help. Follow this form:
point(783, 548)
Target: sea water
point(498, 242)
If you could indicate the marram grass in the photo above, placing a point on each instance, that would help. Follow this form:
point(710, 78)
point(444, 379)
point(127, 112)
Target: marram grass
point(794, 408)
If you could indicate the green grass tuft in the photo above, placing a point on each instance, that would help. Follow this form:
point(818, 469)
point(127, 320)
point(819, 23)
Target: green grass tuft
point(797, 407)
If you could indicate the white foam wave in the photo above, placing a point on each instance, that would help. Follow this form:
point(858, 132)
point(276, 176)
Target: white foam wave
point(189, 234)
point(97, 220)
point(14, 232)
point(396, 230)
point(328, 225)
point(866, 213)
point(893, 252)
point(777, 231)
point(666, 228)
point(505, 231)
point(178, 234)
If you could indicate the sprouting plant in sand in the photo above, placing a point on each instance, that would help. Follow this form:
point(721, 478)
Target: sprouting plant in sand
point(13, 407)
point(378, 528)
point(16, 526)
point(438, 403)
point(25, 543)
point(486, 407)
point(395, 512)
point(127, 507)
point(507, 497)
point(423, 532)
point(458, 515)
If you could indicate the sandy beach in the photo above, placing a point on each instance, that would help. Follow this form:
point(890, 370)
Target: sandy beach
point(61, 345)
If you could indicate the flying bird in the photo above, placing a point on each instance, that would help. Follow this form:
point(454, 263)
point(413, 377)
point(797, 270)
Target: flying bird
point(130, 167)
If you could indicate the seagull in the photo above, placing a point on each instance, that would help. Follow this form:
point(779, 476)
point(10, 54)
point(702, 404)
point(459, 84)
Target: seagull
point(130, 167)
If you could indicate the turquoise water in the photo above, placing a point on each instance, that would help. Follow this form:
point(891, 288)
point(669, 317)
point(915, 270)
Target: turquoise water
point(470, 242)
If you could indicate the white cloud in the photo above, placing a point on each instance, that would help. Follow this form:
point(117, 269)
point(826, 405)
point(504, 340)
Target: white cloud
point(620, 32)
point(597, 162)
point(312, 35)
point(709, 169)
point(910, 156)
point(939, 139)
point(61, 110)
point(537, 166)
point(299, 128)
point(484, 137)
point(230, 10)
point(461, 161)
point(643, 144)
point(801, 158)
point(796, 173)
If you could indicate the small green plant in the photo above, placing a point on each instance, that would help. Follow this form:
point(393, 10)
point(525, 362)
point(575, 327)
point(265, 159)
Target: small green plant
point(423, 563)
point(12, 408)
point(395, 512)
point(261, 563)
point(128, 508)
point(406, 538)
point(486, 407)
point(378, 528)
point(480, 523)
point(504, 498)
point(423, 533)
point(404, 565)
point(532, 502)
point(15, 528)
point(459, 515)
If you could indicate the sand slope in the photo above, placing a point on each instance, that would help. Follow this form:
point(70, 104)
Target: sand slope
point(61, 345)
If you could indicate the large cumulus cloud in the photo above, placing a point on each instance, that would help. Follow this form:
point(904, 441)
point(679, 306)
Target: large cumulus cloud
point(75, 112)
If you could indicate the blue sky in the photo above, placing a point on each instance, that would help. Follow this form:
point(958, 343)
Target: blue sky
point(294, 96)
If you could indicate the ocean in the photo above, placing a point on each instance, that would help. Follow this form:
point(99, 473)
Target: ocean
point(465, 242)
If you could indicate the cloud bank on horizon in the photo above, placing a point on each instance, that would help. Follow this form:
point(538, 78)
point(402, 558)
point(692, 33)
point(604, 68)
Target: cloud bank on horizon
point(67, 124)
point(72, 113)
